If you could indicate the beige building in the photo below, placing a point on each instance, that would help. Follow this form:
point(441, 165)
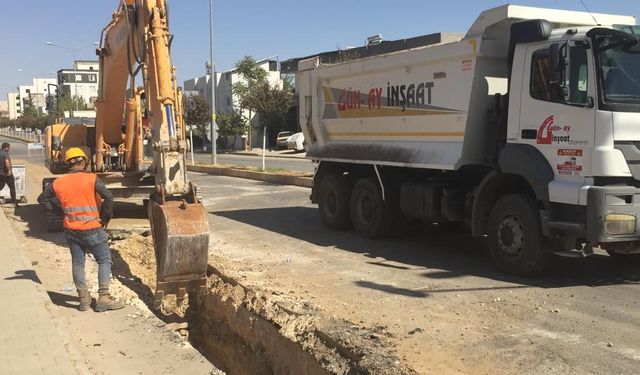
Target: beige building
point(13, 102)
point(36, 94)
point(225, 100)
point(4, 108)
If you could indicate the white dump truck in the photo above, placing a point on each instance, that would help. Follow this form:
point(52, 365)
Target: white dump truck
point(527, 129)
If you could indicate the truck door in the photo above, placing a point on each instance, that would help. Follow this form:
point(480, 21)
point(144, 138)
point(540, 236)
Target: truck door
point(557, 115)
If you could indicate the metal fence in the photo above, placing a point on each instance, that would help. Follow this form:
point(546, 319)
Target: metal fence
point(30, 137)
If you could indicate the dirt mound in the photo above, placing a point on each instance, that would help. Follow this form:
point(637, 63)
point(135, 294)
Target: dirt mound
point(135, 264)
point(259, 331)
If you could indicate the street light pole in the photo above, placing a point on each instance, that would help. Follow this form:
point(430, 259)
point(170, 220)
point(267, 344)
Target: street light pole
point(214, 148)
point(75, 78)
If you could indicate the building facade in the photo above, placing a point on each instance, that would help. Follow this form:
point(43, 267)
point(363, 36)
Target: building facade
point(13, 102)
point(4, 108)
point(34, 94)
point(80, 81)
point(225, 100)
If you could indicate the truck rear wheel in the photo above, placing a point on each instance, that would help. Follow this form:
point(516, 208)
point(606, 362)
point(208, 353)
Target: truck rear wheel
point(370, 214)
point(333, 201)
point(515, 236)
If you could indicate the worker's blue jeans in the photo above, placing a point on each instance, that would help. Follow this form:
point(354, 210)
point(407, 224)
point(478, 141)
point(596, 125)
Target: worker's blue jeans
point(94, 241)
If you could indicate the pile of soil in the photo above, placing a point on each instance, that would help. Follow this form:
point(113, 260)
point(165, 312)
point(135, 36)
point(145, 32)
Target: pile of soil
point(135, 264)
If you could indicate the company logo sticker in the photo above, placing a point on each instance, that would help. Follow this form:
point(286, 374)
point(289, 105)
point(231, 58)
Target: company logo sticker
point(549, 133)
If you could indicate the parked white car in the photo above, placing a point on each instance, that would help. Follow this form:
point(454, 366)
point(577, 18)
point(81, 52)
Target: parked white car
point(281, 140)
point(296, 142)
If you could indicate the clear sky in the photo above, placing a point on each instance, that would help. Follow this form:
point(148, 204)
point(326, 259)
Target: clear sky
point(287, 28)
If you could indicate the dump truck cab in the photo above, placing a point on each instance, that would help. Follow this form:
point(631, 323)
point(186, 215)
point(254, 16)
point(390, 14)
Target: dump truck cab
point(574, 99)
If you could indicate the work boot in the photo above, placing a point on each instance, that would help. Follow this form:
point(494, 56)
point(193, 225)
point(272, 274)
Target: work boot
point(85, 300)
point(107, 302)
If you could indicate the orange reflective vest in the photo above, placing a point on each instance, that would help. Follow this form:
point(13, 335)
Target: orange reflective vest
point(77, 195)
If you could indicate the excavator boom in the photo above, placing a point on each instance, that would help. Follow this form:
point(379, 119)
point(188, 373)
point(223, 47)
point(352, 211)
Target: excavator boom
point(135, 46)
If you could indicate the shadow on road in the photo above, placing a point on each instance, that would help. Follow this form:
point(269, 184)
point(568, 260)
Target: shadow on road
point(25, 275)
point(63, 300)
point(442, 255)
point(129, 210)
point(36, 226)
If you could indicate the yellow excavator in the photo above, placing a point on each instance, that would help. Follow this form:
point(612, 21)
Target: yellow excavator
point(138, 144)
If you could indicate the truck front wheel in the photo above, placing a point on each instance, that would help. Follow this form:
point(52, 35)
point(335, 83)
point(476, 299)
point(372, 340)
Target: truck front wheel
point(515, 236)
point(370, 214)
point(333, 201)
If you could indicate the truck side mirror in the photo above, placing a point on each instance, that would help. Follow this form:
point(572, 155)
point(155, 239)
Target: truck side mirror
point(556, 64)
point(556, 70)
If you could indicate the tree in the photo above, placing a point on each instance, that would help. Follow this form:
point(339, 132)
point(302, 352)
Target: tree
point(68, 103)
point(271, 104)
point(197, 113)
point(28, 109)
point(231, 124)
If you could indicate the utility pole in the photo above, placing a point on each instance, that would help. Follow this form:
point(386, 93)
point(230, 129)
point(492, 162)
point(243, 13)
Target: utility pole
point(214, 150)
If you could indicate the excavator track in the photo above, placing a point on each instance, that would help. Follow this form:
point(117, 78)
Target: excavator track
point(181, 242)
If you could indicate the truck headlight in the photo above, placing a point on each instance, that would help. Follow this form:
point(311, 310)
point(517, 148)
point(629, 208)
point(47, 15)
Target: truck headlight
point(619, 224)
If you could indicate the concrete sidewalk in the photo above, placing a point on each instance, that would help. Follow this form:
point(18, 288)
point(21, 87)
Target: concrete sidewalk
point(32, 341)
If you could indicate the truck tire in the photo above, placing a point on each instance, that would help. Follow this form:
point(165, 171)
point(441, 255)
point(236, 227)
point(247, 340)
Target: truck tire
point(515, 236)
point(370, 214)
point(334, 194)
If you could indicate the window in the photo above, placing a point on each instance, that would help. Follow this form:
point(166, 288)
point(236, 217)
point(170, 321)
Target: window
point(78, 78)
point(92, 77)
point(576, 75)
point(569, 83)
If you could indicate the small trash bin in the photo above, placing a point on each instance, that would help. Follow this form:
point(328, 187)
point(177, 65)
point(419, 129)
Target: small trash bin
point(20, 174)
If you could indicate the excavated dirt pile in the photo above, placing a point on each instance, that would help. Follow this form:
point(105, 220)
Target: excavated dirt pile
point(244, 331)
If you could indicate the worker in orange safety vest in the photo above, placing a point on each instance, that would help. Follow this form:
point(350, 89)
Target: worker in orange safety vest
point(87, 206)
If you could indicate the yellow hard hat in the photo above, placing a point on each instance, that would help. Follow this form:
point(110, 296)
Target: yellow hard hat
point(74, 153)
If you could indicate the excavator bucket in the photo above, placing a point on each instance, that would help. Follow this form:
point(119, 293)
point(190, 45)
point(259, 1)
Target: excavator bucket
point(181, 243)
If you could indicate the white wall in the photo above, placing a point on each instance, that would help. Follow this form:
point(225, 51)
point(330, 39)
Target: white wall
point(37, 91)
point(4, 108)
point(12, 99)
point(225, 100)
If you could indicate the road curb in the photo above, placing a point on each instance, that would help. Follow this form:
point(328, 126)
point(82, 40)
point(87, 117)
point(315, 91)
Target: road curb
point(270, 155)
point(243, 153)
point(274, 178)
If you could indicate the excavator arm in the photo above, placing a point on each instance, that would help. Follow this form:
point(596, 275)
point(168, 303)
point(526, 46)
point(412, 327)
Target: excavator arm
point(135, 48)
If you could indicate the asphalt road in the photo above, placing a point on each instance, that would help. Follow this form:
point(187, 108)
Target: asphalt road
point(19, 151)
point(445, 306)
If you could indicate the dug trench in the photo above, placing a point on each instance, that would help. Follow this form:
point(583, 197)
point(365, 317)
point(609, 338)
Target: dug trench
point(245, 331)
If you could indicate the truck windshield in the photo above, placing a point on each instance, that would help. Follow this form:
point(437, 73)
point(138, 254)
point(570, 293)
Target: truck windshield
point(618, 67)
